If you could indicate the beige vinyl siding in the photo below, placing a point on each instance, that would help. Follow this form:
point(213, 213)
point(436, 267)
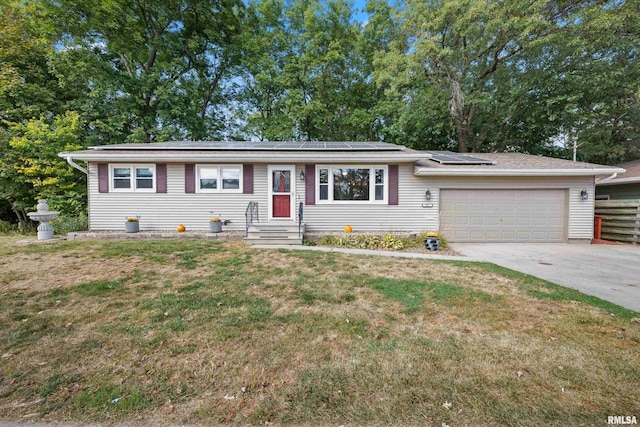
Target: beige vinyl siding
point(412, 214)
point(166, 211)
point(579, 212)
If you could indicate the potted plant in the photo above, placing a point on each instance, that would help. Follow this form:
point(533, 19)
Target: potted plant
point(215, 225)
point(132, 224)
point(432, 241)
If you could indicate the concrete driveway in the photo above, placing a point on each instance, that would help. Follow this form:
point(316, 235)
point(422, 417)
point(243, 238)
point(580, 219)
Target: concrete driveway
point(610, 272)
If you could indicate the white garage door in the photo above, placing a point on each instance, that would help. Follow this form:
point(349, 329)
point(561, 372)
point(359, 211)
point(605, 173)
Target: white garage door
point(503, 215)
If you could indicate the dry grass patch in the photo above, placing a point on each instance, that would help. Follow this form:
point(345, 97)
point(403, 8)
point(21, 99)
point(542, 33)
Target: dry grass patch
point(173, 332)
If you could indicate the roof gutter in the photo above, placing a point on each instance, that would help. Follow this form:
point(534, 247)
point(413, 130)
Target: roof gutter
point(514, 172)
point(611, 181)
point(609, 178)
point(76, 166)
point(239, 157)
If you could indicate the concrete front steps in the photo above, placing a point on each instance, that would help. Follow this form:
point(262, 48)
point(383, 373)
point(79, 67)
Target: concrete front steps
point(274, 233)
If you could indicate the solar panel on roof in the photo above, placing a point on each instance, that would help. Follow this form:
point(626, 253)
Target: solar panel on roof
point(287, 146)
point(451, 158)
point(337, 145)
point(312, 145)
point(257, 145)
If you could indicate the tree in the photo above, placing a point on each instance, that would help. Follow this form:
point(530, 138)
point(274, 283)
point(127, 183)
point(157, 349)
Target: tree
point(27, 88)
point(149, 71)
point(267, 45)
point(30, 98)
point(458, 46)
point(308, 71)
point(517, 76)
point(31, 168)
point(600, 95)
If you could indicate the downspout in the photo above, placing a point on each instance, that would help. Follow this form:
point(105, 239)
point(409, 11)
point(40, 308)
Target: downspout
point(76, 166)
point(609, 178)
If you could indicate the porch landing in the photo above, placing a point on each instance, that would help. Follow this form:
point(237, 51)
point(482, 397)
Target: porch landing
point(275, 233)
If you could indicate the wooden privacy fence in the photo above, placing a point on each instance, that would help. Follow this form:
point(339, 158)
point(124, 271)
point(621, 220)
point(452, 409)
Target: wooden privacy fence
point(620, 220)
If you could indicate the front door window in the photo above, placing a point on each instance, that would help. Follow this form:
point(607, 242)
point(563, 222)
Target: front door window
point(281, 181)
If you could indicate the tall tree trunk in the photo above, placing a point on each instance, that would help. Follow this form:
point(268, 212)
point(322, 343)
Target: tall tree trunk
point(457, 110)
point(462, 134)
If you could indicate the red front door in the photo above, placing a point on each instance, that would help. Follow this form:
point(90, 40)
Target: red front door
point(281, 193)
point(281, 206)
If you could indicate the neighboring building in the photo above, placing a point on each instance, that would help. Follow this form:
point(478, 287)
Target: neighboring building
point(623, 186)
point(374, 187)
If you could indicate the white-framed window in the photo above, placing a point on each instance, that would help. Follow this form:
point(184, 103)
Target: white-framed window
point(219, 178)
point(132, 177)
point(351, 184)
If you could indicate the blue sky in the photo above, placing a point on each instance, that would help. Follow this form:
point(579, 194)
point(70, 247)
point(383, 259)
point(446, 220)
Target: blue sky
point(360, 5)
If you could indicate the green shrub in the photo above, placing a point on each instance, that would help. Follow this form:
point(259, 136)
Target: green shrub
point(386, 242)
point(8, 228)
point(66, 224)
point(364, 241)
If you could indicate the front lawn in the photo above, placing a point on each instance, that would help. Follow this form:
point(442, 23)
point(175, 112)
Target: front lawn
point(207, 332)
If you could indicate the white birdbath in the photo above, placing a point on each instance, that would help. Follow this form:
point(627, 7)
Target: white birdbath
point(43, 215)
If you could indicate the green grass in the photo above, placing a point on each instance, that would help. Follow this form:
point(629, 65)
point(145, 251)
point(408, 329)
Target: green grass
point(205, 332)
point(413, 294)
point(96, 288)
point(542, 289)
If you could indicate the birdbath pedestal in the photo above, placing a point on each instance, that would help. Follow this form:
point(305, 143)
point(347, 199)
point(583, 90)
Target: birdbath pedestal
point(43, 216)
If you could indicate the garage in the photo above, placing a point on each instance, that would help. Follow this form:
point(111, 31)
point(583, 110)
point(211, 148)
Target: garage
point(509, 215)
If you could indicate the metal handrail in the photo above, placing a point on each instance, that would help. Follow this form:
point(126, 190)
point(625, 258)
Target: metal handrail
point(300, 217)
point(251, 214)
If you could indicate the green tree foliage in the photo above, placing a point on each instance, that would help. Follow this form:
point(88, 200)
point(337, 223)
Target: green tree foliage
point(32, 170)
point(308, 69)
point(27, 88)
point(597, 94)
point(30, 98)
point(516, 75)
point(149, 71)
point(458, 49)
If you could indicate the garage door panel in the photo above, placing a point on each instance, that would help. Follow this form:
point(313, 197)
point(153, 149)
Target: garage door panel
point(476, 222)
point(461, 221)
point(492, 207)
point(476, 234)
point(461, 235)
point(539, 221)
point(508, 221)
point(492, 235)
point(492, 221)
point(554, 222)
point(539, 235)
point(524, 235)
point(524, 221)
point(503, 215)
point(526, 204)
point(508, 235)
point(557, 236)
